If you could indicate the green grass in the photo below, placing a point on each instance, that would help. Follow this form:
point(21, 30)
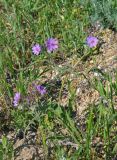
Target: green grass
point(105, 11)
point(26, 22)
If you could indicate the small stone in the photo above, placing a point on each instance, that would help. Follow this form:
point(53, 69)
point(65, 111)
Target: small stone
point(78, 91)
point(99, 67)
point(91, 62)
point(96, 74)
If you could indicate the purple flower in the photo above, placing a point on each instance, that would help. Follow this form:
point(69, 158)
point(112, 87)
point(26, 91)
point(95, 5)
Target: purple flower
point(41, 89)
point(36, 49)
point(16, 99)
point(91, 41)
point(51, 44)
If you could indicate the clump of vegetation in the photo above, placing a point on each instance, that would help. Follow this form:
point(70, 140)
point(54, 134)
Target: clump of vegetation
point(105, 13)
point(45, 49)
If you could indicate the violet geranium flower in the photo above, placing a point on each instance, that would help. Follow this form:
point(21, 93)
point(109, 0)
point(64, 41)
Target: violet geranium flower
point(16, 99)
point(91, 41)
point(36, 49)
point(51, 44)
point(41, 89)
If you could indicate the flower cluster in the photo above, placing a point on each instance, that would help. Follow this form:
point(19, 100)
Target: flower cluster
point(91, 41)
point(41, 89)
point(51, 45)
point(36, 49)
point(16, 99)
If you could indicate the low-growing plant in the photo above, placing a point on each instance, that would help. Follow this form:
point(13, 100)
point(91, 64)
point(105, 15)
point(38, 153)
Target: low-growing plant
point(6, 149)
point(36, 37)
point(104, 11)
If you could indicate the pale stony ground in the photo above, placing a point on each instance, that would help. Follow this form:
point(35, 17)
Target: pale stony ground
point(106, 61)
